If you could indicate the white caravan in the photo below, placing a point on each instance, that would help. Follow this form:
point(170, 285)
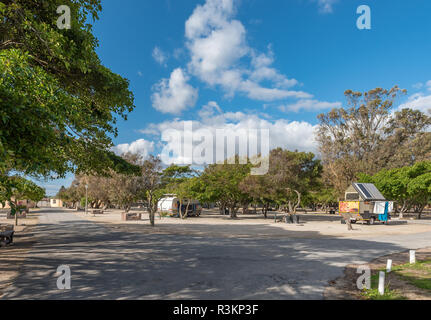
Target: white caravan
point(170, 204)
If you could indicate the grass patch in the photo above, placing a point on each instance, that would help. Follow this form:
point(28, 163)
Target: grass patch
point(418, 274)
point(373, 293)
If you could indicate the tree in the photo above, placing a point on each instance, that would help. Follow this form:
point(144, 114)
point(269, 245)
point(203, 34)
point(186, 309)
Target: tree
point(124, 189)
point(220, 183)
point(187, 190)
point(293, 175)
point(151, 173)
point(59, 105)
point(21, 189)
point(410, 186)
point(259, 190)
point(352, 140)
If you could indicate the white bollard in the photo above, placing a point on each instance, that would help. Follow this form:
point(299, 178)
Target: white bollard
point(389, 266)
point(412, 256)
point(382, 283)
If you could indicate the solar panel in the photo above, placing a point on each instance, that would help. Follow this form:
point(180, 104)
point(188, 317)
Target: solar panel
point(364, 190)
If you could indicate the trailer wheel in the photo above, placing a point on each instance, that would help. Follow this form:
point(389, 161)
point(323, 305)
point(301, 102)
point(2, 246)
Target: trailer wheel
point(353, 221)
point(371, 221)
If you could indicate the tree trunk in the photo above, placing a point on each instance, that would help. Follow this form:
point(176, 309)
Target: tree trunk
point(187, 209)
point(298, 202)
point(232, 212)
point(180, 209)
point(245, 209)
point(151, 209)
point(420, 210)
point(222, 208)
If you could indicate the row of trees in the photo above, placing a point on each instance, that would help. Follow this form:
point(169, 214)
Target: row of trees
point(366, 142)
point(59, 107)
point(293, 177)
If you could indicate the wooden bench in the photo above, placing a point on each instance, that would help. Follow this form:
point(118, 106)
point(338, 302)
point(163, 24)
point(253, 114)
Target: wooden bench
point(97, 211)
point(127, 216)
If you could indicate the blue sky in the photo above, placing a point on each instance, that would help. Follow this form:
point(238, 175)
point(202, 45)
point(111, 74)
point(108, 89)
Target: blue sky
point(272, 64)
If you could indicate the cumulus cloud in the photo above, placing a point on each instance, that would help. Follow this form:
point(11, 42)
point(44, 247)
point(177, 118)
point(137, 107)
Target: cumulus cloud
point(418, 101)
point(292, 135)
point(309, 105)
point(159, 56)
point(173, 95)
point(141, 147)
point(221, 56)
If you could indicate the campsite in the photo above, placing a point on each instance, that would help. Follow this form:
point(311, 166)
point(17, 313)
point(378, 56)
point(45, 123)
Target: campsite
point(198, 155)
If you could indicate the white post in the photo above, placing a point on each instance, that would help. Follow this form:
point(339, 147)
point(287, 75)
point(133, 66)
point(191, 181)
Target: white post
point(389, 266)
point(381, 282)
point(412, 256)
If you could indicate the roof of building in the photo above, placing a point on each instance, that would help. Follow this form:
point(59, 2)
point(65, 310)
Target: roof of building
point(368, 191)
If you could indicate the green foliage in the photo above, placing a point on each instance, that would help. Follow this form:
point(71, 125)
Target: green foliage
point(20, 188)
point(59, 105)
point(221, 183)
point(366, 136)
point(410, 186)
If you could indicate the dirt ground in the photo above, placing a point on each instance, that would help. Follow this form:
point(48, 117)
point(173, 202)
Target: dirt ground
point(344, 288)
point(12, 256)
point(209, 223)
point(213, 225)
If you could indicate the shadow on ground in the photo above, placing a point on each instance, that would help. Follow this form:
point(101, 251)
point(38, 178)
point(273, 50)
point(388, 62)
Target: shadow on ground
point(143, 264)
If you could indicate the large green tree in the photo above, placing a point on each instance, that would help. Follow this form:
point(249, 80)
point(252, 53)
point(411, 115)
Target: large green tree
point(221, 183)
point(367, 136)
point(409, 186)
point(59, 104)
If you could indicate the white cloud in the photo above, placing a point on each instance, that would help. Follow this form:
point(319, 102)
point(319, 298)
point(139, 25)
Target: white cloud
point(310, 105)
point(418, 101)
point(263, 71)
point(141, 147)
point(220, 55)
point(173, 95)
point(326, 6)
point(295, 135)
point(159, 56)
point(209, 110)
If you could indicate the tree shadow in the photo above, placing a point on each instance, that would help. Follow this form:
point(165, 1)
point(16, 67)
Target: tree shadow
point(155, 263)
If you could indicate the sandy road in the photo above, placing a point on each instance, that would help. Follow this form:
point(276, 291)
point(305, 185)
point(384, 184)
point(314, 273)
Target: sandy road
point(112, 264)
